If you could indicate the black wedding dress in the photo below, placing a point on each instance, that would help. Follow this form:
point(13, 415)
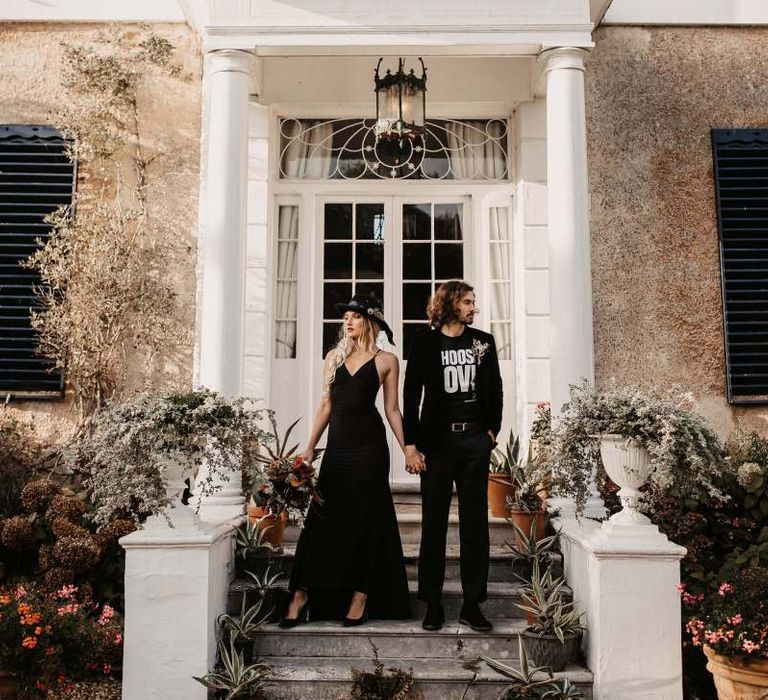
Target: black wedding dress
point(351, 542)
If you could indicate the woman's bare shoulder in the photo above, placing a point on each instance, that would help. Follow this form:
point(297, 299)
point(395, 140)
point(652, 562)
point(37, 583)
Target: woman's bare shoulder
point(387, 359)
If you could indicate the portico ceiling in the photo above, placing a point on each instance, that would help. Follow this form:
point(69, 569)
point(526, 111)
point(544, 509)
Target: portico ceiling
point(365, 27)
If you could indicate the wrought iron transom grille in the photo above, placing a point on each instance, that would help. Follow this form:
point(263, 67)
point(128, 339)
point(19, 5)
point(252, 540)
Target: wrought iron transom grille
point(741, 185)
point(451, 149)
point(36, 177)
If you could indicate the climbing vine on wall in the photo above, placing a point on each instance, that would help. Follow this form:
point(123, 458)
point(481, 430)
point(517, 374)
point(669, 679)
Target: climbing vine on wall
point(107, 303)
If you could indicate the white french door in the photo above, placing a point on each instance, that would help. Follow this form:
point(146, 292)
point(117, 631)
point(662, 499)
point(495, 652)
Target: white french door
point(398, 249)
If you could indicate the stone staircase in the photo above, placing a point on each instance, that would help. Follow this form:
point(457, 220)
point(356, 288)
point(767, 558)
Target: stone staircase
point(314, 661)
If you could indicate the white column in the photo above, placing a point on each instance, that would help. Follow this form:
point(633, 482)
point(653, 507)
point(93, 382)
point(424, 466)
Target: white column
point(227, 81)
point(570, 274)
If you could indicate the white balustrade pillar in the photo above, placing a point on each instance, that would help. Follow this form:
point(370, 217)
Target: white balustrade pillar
point(227, 81)
point(570, 273)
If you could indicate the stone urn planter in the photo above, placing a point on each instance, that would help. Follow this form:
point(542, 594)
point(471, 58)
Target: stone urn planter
point(628, 465)
point(548, 650)
point(499, 488)
point(738, 678)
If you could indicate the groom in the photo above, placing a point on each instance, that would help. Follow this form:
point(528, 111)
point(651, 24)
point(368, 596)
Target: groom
point(456, 368)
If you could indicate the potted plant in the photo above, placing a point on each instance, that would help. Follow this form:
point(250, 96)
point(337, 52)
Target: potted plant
point(554, 625)
point(526, 507)
point(242, 628)
point(233, 677)
point(530, 682)
point(287, 485)
point(683, 452)
point(137, 453)
point(529, 548)
point(253, 550)
point(500, 485)
point(732, 629)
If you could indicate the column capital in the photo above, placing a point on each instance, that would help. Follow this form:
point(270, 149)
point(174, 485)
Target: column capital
point(563, 57)
point(230, 61)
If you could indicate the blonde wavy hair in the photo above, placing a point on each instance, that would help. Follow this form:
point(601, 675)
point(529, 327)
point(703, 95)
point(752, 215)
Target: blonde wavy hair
point(346, 346)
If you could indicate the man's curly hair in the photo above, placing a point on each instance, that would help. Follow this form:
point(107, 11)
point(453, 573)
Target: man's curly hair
point(444, 304)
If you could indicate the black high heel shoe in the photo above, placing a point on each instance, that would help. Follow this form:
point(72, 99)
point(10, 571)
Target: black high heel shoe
point(349, 622)
point(287, 623)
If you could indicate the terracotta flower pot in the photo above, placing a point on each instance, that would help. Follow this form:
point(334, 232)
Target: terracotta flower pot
point(276, 525)
point(524, 519)
point(498, 490)
point(548, 650)
point(738, 678)
point(7, 685)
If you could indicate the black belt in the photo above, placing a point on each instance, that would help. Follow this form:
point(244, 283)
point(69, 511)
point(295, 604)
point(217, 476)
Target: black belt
point(463, 427)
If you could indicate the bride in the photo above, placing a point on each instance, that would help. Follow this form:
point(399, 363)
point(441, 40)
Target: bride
point(349, 559)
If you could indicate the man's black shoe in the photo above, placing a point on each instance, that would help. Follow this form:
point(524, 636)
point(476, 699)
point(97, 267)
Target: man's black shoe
point(472, 616)
point(435, 617)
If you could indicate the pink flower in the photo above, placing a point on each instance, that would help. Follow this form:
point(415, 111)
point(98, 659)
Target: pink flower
point(106, 615)
point(118, 638)
point(69, 609)
point(749, 646)
point(66, 592)
point(107, 669)
point(725, 588)
point(680, 587)
point(735, 620)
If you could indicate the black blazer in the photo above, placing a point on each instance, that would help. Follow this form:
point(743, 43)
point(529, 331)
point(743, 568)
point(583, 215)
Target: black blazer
point(424, 374)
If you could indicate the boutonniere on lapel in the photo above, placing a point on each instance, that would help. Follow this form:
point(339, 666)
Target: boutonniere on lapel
point(479, 349)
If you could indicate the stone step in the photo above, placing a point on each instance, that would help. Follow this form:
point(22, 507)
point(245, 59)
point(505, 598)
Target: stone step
point(501, 603)
point(501, 568)
point(500, 530)
point(323, 678)
point(404, 639)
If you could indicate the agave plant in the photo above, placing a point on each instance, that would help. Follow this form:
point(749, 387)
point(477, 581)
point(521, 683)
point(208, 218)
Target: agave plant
point(234, 676)
point(245, 625)
point(543, 598)
point(562, 690)
point(526, 683)
point(527, 546)
point(250, 539)
point(503, 462)
point(264, 581)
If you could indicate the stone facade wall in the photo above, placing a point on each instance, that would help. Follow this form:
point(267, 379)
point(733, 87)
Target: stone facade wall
point(653, 94)
point(169, 121)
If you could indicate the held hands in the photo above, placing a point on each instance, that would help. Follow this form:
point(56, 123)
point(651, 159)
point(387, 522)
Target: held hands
point(414, 460)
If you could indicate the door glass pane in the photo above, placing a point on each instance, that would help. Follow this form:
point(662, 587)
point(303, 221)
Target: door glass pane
point(375, 289)
point(447, 222)
point(449, 261)
point(415, 298)
point(335, 293)
point(417, 261)
point(369, 261)
point(417, 222)
point(338, 221)
point(286, 285)
point(502, 334)
point(337, 261)
point(369, 224)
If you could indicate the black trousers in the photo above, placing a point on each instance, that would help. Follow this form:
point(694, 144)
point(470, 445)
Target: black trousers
point(462, 458)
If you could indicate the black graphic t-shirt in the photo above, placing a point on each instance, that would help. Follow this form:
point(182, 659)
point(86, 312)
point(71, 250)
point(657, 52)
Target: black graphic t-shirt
point(459, 367)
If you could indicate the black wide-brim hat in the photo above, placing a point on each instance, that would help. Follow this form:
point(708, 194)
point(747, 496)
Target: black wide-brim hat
point(368, 306)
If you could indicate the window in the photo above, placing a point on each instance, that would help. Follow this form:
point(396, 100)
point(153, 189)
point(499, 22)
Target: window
point(286, 319)
point(741, 184)
point(501, 293)
point(36, 177)
point(451, 149)
point(433, 252)
point(353, 259)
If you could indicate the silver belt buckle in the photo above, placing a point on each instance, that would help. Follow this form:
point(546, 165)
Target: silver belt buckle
point(461, 429)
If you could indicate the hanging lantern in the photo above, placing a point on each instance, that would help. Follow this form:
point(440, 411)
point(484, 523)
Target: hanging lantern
point(400, 103)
